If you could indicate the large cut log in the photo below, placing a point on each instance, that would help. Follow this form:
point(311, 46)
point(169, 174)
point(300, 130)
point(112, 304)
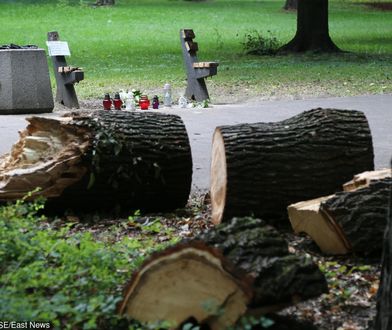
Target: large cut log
point(349, 221)
point(261, 168)
point(384, 296)
point(101, 160)
point(240, 267)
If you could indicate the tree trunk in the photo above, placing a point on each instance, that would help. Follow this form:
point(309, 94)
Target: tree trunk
point(242, 266)
point(259, 169)
point(350, 221)
point(384, 297)
point(291, 5)
point(312, 28)
point(101, 160)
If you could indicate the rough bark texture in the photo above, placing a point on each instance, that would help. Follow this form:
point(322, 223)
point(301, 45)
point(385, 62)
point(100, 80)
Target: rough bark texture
point(102, 160)
point(361, 215)
point(280, 278)
point(259, 169)
point(384, 299)
point(240, 267)
point(312, 28)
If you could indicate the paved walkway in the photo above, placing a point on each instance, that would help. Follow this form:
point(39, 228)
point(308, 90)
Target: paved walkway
point(201, 123)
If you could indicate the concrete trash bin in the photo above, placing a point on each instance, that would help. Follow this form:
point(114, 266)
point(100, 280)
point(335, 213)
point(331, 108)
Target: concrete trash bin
point(24, 82)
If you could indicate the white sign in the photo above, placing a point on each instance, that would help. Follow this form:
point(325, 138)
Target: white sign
point(58, 48)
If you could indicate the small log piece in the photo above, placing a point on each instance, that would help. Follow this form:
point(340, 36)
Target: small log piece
point(279, 278)
point(384, 296)
point(240, 267)
point(262, 168)
point(349, 221)
point(100, 161)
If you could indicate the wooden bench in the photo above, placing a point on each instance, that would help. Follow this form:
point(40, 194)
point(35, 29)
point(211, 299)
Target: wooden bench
point(66, 76)
point(196, 71)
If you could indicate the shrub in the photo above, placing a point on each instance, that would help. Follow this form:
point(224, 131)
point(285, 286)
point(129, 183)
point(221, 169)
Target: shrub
point(56, 275)
point(256, 44)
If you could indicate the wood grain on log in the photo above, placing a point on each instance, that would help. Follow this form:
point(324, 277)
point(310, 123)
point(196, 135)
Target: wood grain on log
point(362, 180)
point(261, 168)
point(349, 221)
point(361, 215)
point(101, 160)
point(187, 281)
point(242, 266)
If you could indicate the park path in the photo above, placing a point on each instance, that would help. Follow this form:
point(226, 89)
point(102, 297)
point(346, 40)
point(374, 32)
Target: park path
point(201, 123)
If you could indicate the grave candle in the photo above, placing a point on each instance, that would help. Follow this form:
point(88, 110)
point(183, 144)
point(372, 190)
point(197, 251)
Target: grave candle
point(107, 102)
point(144, 102)
point(117, 101)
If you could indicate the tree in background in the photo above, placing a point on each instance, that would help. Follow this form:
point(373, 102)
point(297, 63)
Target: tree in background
point(291, 5)
point(312, 28)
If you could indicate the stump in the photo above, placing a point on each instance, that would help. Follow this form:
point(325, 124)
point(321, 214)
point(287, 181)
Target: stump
point(261, 168)
point(241, 267)
point(100, 161)
point(384, 297)
point(349, 221)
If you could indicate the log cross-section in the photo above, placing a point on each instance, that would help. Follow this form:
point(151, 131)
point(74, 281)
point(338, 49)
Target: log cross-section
point(259, 169)
point(349, 221)
point(239, 267)
point(101, 160)
point(183, 282)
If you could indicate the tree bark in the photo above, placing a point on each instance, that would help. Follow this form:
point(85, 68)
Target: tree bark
point(101, 161)
point(384, 297)
point(259, 169)
point(350, 221)
point(361, 215)
point(240, 267)
point(312, 29)
point(291, 5)
point(280, 278)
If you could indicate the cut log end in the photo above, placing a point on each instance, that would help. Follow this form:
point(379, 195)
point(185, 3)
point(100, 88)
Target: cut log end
point(363, 179)
point(47, 155)
point(349, 221)
point(305, 217)
point(186, 281)
point(218, 177)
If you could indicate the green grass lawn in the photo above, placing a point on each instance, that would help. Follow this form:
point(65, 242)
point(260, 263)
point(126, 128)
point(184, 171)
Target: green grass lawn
point(135, 44)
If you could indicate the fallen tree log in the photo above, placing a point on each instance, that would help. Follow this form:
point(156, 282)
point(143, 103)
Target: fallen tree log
point(384, 296)
point(240, 267)
point(261, 168)
point(349, 221)
point(101, 160)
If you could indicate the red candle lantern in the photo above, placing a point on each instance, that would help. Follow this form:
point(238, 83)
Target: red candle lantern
point(107, 102)
point(117, 101)
point(144, 102)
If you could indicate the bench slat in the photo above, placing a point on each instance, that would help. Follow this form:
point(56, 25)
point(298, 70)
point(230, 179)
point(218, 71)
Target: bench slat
point(201, 65)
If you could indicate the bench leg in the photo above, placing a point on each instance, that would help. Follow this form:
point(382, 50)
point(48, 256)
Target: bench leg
point(66, 95)
point(197, 90)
